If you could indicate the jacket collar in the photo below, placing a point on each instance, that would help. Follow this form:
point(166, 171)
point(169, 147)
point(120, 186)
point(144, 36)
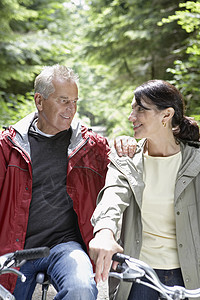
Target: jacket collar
point(22, 128)
point(76, 137)
point(24, 124)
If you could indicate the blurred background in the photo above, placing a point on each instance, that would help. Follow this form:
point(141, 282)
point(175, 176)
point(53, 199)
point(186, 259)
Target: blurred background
point(114, 46)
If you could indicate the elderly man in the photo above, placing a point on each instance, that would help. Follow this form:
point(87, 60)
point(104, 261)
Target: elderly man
point(51, 170)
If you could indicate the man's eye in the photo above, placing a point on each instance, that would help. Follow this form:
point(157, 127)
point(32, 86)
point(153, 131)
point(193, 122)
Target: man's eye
point(67, 101)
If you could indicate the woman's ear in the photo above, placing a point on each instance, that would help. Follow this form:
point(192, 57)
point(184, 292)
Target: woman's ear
point(38, 101)
point(167, 115)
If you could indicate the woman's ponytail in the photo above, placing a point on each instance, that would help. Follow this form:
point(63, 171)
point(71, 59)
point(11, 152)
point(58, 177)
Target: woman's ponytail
point(188, 130)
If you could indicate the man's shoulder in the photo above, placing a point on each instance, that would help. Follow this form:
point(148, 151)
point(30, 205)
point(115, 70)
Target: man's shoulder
point(88, 131)
point(97, 142)
point(95, 135)
point(7, 132)
point(97, 138)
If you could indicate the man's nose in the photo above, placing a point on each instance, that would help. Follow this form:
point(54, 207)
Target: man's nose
point(70, 105)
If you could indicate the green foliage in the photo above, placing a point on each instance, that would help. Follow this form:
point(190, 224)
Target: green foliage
point(32, 34)
point(126, 47)
point(188, 18)
point(12, 111)
point(186, 72)
point(114, 45)
point(13, 49)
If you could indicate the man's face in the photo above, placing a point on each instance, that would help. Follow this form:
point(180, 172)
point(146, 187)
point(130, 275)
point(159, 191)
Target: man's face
point(57, 112)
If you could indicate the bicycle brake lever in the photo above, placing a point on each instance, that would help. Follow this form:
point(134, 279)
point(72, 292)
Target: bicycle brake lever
point(133, 269)
point(14, 271)
point(116, 275)
point(128, 274)
point(5, 259)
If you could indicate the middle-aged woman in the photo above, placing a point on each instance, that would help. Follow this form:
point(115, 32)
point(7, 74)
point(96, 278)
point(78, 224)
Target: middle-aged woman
point(158, 193)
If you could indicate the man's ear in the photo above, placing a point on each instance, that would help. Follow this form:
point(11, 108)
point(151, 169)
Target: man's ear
point(38, 101)
point(167, 115)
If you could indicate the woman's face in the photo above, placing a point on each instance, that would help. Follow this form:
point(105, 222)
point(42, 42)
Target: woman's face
point(147, 123)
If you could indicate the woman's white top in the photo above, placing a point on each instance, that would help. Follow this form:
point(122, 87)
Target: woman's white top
point(159, 248)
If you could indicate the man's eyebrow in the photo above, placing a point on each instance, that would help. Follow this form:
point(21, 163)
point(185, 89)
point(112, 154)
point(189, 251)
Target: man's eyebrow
point(64, 97)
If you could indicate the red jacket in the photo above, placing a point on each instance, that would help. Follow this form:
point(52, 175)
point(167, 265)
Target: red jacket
point(86, 172)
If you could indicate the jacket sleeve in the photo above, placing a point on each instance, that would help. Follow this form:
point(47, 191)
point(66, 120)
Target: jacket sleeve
point(112, 201)
point(103, 148)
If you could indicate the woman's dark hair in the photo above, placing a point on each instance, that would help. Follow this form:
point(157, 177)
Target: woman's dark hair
point(163, 95)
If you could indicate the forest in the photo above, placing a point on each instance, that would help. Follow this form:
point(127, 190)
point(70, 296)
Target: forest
point(113, 45)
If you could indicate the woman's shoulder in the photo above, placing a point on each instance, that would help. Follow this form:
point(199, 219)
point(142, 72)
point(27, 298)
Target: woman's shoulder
point(190, 157)
point(126, 164)
point(191, 147)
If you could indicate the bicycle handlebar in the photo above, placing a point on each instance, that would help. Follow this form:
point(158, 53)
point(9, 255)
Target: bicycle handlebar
point(120, 257)
point(9, 259)
point(132, 270)
point(14, 259)
point(29, 254)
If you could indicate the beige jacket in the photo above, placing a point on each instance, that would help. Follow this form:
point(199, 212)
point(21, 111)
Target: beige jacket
point(122, 194)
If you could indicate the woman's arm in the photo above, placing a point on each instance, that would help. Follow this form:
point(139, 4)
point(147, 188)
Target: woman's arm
point(112, 201)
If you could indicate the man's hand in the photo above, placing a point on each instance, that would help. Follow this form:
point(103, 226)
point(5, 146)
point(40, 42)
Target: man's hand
point(101, 249)
point(125, 145)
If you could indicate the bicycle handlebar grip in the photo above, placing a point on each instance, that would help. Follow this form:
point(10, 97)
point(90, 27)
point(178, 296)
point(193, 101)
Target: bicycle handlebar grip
point(120, 257)
point(29, 254)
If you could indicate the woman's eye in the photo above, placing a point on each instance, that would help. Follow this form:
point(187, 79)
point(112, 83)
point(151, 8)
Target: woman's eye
point(140, 108)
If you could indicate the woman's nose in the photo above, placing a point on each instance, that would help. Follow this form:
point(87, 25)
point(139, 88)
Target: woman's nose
point(132, 117)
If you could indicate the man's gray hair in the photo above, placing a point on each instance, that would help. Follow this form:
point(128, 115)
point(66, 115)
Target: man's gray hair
point(44, 81)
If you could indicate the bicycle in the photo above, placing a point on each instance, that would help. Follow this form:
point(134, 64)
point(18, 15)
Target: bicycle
point(133, 270)
point(16, 259)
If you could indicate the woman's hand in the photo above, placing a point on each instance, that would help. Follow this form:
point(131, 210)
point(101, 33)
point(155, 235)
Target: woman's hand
point(101, 249)
point(125, 145)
